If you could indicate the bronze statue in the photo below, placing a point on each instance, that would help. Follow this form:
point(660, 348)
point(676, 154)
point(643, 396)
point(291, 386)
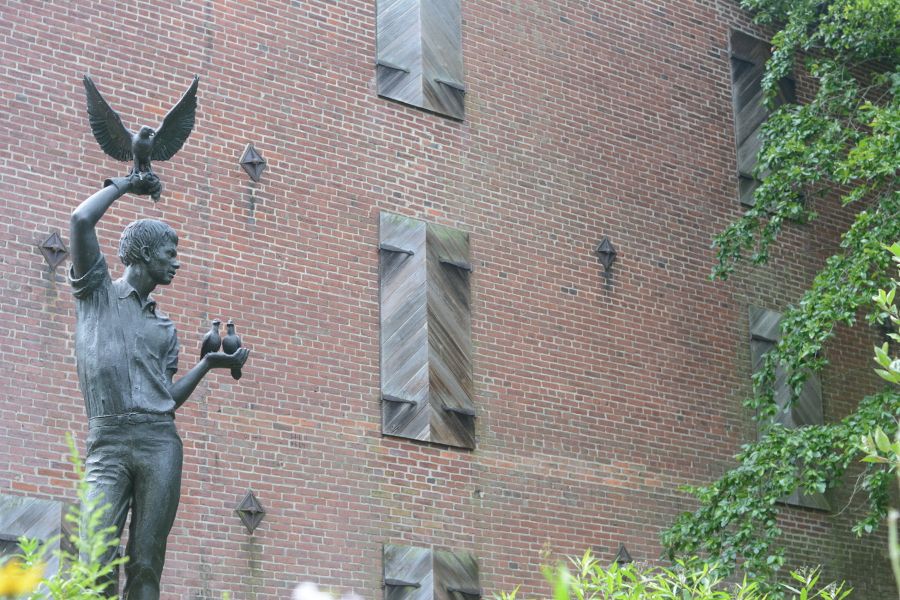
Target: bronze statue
point(230, 344)
point(147, 144)
point(126, 352)
point(212, 341)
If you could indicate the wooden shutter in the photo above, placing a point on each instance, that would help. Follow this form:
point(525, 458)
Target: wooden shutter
point(419, 47)
point(449, 337)
point(412, 573)
point(765, 331)
point(32, 518)
point(404, 328)
point(408, 573)
point(426, 345)
point(456, 576)
point(748, 62)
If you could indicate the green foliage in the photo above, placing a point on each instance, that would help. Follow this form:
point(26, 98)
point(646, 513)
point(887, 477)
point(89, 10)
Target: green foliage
point(844, 143)
point(81, 575)
point(586, 579)
point(737, 518)
point(877, 445)
point(844, 140)
point(879, 449)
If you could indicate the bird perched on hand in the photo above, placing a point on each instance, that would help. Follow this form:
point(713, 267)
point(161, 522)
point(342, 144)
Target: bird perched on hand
point(212, 341)
point(231, 344)
point(147, 144)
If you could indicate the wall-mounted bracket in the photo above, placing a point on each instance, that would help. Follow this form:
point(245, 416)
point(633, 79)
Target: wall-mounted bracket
point(54, 250)
point(250, 511)
point(397, 400)
point(399, 583)
point(392, 248)
point(253, 163)
point(459, 264)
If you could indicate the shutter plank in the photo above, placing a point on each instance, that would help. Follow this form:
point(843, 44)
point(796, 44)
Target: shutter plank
point(456, 576)
point(419, 54)
point(450, 338)
point(747, 153)
point(748, 58)
point(765, 324)
point(404, 332)
point(442, 84)
point(749, 117)
point(33, 518)
point(749, 48)
point(408, 573)
point(747, 187)
point(399, 50)
point(808, 406)
point(808, 410)
point(785, 414)
point(805, 410)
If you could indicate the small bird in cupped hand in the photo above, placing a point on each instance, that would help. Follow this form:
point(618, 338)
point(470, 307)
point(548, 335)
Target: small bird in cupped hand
point(231, 344)
point(212, 341)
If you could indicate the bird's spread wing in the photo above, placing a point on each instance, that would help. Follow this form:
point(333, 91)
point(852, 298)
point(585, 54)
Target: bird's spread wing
point(177, 125)
point(106, 124)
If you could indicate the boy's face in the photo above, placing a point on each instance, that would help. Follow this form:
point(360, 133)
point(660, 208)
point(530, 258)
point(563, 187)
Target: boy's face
point(162, 262)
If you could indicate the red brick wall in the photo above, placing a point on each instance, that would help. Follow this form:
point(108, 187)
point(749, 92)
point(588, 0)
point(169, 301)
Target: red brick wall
point(595, 401)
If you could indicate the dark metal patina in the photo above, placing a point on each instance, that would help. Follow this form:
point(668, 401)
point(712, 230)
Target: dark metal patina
point(54, 250)
point(253, 163)
point(250, 511)
point(147, 144)
point(607, 254)
point(126, 351)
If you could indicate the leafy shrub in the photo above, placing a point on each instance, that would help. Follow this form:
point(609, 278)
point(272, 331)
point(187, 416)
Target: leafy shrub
point(81, 574)
point(587, 579)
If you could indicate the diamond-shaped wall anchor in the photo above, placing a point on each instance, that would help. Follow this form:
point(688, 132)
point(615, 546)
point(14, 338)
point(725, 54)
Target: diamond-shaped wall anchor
point(607, 253)
point(253, 163)
point(250, 511)
point(54, 250)
point(622, 556)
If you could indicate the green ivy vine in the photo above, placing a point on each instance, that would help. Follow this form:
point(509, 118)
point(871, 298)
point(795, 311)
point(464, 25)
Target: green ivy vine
point(844, 143)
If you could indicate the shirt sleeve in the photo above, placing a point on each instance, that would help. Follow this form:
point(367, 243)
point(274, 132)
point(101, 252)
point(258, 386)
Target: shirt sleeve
point(172, 355)
point(90, 282)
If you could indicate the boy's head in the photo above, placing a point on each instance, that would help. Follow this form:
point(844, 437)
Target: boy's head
point(146, 233)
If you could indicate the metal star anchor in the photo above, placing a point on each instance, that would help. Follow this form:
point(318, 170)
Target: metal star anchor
point(54, 250)
point(250, 511)
point(253, 163)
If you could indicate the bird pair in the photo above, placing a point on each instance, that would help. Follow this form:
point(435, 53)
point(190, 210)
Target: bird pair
point(230, 344)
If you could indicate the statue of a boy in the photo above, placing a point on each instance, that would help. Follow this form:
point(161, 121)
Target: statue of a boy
point(127, 355)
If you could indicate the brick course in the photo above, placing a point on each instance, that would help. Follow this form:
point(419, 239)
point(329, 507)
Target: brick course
point(595, 401)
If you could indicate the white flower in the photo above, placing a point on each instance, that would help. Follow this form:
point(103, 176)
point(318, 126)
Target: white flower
point(309, 591)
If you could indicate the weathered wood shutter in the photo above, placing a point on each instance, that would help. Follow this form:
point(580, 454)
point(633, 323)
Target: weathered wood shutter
point(32, 518)
point(765, 330)
point(456, 576)
point(412, 573)
point(748, 58)
point(408, 573)
point(419, 47)
point(426, 346)
point(450, 338)
point(404, 328)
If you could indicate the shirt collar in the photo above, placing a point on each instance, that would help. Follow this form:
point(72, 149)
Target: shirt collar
point(124, 290)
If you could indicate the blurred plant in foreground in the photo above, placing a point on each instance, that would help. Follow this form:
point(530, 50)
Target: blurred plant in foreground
point(877, 445)
point(81, 574)
point(687, 580)
point(310, 591)
point(17, 579)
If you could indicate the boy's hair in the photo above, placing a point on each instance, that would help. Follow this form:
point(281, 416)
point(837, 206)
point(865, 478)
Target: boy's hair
point(147, 233)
